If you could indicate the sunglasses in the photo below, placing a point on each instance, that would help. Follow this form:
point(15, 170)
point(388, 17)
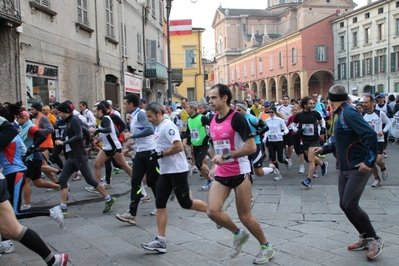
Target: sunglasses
point(270, 112)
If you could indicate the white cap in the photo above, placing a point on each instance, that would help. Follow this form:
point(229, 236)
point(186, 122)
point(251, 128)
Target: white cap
point(109, 102)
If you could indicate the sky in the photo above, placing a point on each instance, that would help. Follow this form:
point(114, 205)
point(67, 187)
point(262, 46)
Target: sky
point(203, 11)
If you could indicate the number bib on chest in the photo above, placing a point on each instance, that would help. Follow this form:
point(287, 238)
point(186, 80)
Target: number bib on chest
point(194, 134)
point(308, 129)
point(273, 136)
point(222, 147)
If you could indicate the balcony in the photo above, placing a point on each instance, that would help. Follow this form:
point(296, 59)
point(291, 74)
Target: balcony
point(155, 71)
point(10, 13)
point(177, 76)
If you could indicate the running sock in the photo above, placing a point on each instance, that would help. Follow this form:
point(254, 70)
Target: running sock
point(377, 178)
point(63, 206)
point(143, 192)
point(161, 239)
point(237, 232)
point(267, 170)
point(265, 246)
point(108, 198)
point(383, 169)
point(32, 240)
point(285, 162)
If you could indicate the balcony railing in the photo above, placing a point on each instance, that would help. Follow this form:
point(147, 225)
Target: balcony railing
point(10, 13)
point(154, 69)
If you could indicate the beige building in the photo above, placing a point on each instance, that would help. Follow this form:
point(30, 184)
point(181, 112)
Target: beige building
point(77, 50)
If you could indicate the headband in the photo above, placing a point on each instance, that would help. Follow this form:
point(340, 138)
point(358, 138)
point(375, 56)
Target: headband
point(243, 106)
point(337, 97)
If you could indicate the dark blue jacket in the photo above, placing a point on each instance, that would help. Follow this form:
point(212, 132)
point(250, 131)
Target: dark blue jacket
point(355, 141)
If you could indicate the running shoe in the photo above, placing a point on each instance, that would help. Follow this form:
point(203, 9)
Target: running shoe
point(57, 216)
point(116, 171)
point(25, 207)
point(195, 169)
point(324, 168)
point(278, 177)
point(207, 185)
point(78, 176)
point(375, 247)
point(109, 205)
point(127, 218)
point(154, 212)
point(6, 247)
point(190, 170)
point(106, 185)
point(302, 169)
point(145, 199)
point(289, 164)
point(64, 211)
point(315, 174)
point(376, 183)
point(359, 245)
point(61, 259)
point(384, 175)
point(104, 179)
point(219, 226)
point(307, 182)
point(155, 245)
point(322, 156)
point(264, 255)
point(385, 154)
point(92, 189)
point(239, 240)
point(275, 170)
point(52, 190)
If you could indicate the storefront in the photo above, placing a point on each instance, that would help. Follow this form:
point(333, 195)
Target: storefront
point(41, 83)
point(132, 84)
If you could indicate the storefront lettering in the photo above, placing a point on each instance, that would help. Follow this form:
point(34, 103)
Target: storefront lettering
point(41, 70)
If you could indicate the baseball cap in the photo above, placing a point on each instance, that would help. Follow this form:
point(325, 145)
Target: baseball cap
point(273, 109)
point(105, 103)
point(381, 95)
point(267, 103)
point(65, 108)
point(143, 100)
point(55, 104)
point(37, 106)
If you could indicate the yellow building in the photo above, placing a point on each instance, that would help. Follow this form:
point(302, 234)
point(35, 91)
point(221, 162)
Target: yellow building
point(186, 58)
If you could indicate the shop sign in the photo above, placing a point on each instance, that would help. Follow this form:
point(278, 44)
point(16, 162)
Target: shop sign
point(41, 70)
point(132, 84)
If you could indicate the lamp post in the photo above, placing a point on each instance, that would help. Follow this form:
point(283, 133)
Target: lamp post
point(168, 9)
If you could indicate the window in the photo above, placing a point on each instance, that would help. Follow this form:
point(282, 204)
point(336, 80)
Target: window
point(354, 36)
point(380, 10)
point(280, 59)
point(367, 35)
point(190, 94)
point(396, 85)
point(341, 70)
point(354, 20)
point(321, 53)
point(252, 68)
point(123, 37)
point(379, 64)
point(397, 4)
point(82, 12)
point(367, 66)
point(380, 87)
point(356, 68)
point(245, 71)
point(110, 19)
point(395, 61)
point(380, 31)
point(271, 62)
point(342, 24)
point(189, 55)
point(45, 3)
point(232, 74)
point(153, 8)
point(342, 43)
point(139, 48)
point(294, 56)
point(238, 72)
point(397, 27)
point(260, 66)
point(367, 15)
point(381, 60)
point(220, 46)
point(160, 12)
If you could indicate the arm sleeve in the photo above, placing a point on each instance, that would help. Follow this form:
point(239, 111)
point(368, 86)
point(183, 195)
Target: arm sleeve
point(240, 125)
point(117, 120)
point(148, 128)
point(105, 126)
point(39, 138)
point(8, 133)
point(76, 128)
point(92, 119)
point(45, 126)
point(205, 121)
point(284, 127)
point(386, 121)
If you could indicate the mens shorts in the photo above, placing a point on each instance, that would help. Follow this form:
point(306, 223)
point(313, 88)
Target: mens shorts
point(313, 144)
point(4, 195)
point(380, 147)
point(256, 158)
point(34, 169)
point(231, 181)
point(111, 153)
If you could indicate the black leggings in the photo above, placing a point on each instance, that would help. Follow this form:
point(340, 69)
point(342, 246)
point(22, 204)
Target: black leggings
point(177, 182)
point(351, 185)
point(55, 156)
point(199, 155)
point(142, 166)
point(276, 147)
point(74, 164)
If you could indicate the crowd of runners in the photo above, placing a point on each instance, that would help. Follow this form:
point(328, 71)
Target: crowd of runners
point(228, 143)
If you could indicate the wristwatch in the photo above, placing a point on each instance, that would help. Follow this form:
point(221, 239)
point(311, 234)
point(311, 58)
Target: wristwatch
point(226, 156)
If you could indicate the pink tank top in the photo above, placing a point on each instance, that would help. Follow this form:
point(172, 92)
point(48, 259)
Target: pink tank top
point(226, 139)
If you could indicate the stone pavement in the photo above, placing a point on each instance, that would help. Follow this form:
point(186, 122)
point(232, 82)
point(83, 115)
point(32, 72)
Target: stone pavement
point(305, 226)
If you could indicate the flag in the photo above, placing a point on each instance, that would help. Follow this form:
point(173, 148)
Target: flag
point(180, 27)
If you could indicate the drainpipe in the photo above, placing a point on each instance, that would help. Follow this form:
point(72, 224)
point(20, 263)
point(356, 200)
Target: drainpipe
point(123, 93)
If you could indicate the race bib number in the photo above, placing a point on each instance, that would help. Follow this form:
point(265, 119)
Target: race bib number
point(183, 125)
point(67, 147)
point(308, 129)
point(273, 136)
point(222, 147)
point(372, 125)
point(195, 134)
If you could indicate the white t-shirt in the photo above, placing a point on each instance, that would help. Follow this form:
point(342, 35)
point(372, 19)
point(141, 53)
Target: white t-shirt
point(165, 134)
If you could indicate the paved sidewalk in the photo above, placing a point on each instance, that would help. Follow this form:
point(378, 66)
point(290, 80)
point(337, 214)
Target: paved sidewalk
point(305, 226)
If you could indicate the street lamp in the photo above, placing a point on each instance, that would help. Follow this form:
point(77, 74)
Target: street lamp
point(168, 8)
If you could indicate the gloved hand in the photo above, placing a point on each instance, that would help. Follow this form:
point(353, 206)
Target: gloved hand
point(155, 155)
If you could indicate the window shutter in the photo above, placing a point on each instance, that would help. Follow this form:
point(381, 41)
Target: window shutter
point(344, 71)
point(85, 18)
point(295, 55)
point(384, 67)
point(153, 8)
point(376, 65)
point(147, 49)
point(153, 54)
point(339, 71)
point(139, 50)
point(393, 62)
point(351, 71)
point(363, 68)
point(316, 54)
point(326, 55)
point(80, 11)
point(358, 69)
point(371, 66)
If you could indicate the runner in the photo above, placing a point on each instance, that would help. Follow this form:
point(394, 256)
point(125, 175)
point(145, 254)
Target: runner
point(356, 148)
point(232, 143)
point(173, 173)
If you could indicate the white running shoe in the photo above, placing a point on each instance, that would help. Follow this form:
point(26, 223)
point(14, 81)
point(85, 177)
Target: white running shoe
point(57, 216)
point(92, 189)
point(61, 259)
point(302, 169)
point(25, 207)
point(6, 247)
point(278, 177)
point(289, 164)
point(154, 212)
point(376, 183)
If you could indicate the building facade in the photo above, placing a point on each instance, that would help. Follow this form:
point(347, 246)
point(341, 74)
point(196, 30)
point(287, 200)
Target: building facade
point(285, 49)
point(90, 50)
point(366, 50)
